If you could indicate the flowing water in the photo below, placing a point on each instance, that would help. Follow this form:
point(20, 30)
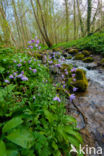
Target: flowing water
point(91, 103)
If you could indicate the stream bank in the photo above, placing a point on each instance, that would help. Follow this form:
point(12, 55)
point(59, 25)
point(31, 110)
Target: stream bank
point(91, 102)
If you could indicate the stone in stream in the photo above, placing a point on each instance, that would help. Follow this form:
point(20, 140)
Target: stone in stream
point(91, 66)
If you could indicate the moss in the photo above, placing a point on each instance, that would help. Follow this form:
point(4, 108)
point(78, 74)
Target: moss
point(86, 52)
point(69, 57)
point(102, 62)
point(79, 56)
point(81, 81)
point(81, 85)
point(88, 59)
point(72, 51)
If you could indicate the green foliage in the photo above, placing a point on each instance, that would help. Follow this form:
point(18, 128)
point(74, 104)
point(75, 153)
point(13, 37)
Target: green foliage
point(95, 43)
point(31, 122)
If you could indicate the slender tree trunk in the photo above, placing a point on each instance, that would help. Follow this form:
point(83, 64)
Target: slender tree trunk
point(17, 22)
point(74, 19)
point(80, 18)
point(67, 19)
point(44, 27)
point(89, 15)
point(47, 41)
point(6, 27)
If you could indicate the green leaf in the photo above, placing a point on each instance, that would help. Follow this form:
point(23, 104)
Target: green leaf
point(21, 137)
point(12, 153)
point(70, 119)
point(49, 115)
point(2, 149)
point(2, 69)
point(12, 124)
point(71, 131)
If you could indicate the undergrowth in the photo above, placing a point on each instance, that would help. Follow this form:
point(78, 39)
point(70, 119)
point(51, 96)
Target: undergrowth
point(31, 122)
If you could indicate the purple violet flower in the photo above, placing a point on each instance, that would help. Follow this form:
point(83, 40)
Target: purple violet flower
point(37, 42)
point(63, 76)
point(24, 78)
point(36, 45)
point(58, 65)
point(19, 65)
point(74, 80)
point(14, 61)
point(56, 99)
point(22, 72)
point(6, 81)
point(73, 75)
point(32, 41)
point(72, 97)
point(73, 70)
point(50, 62)
point(66, 72)
point(29, 42)
point(20, 76)
point(14, 73)
point(29, 61)
point(75, 89)
point(34, 70)
point(11, 76)
point(64, 86)
point(30, 68)
point(39, 47)
point(31, 47)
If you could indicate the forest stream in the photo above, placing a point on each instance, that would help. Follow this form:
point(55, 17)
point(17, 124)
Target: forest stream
point(91, 102)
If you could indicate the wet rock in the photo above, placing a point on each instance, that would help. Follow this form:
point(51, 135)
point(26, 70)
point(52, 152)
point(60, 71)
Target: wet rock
point(91, 66)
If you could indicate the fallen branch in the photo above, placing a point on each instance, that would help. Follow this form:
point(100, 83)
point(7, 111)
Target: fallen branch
point(78, 109)
point(84, 117)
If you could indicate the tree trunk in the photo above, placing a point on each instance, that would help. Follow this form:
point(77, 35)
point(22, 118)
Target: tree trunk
point(80, 18)
point(47, 41)
point(89, 16)
point(67, 20)
point(17, 22)
point(74, 19)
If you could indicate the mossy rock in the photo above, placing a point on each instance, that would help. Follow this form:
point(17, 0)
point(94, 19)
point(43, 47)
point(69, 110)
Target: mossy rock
point(79, 56)
point(72, 51)
point(81, 81)
point(86, 53)
point(88, 59)
point(82, 85)
point(102, 62)
point(80, 74)
point(69, 57)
